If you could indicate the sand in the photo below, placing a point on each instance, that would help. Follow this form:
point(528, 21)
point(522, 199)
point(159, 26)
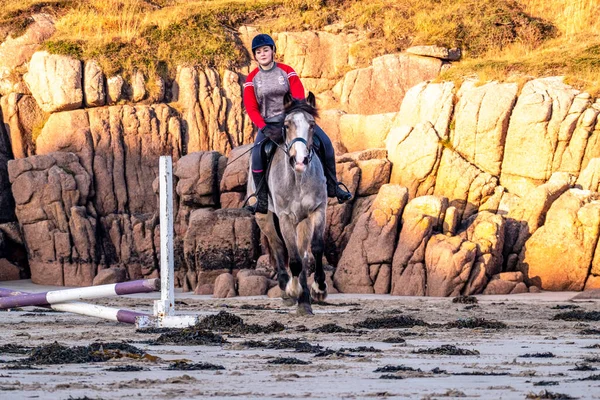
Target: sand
point(508, 364)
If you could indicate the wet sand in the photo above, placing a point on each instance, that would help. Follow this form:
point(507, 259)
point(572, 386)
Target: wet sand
point(354, 347)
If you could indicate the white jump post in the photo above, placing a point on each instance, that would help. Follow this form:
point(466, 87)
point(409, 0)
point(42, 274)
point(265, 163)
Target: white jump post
point(166, 305)
point(164, 309)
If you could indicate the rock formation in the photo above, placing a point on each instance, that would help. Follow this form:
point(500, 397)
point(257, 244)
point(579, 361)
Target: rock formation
point(477, 188)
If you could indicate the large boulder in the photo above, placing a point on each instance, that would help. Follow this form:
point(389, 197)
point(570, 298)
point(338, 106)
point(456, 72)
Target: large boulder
point(16, 52)
point(589, 179)
point(421, 218)
point(359, 132)
point(506, 283)
point(526, 215)
point(486, 230)
point(318, 57)
point(443, 53)
point(23, 119)
point(465, 185)
point(578, 143)
point(375, 169)
point(94, 85)
point(372, 242)
point(558, 256)
point(235, 177)
point(55, 81)
point(198, 178)
point(130, 243)
point(541, 125)
point(380, 88)
point(339, 215)
point(481, 122)
point(448, 262)
point(211, 109)
point(121, 145)
point(415, 154)
point(428, 102)
point(52, 205)
point(221, 239)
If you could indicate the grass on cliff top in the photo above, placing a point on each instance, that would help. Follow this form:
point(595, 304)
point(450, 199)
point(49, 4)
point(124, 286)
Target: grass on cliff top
point(499, 38)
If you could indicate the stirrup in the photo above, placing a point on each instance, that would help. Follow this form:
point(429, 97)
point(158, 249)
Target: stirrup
point(252, 208)
point(342, 195)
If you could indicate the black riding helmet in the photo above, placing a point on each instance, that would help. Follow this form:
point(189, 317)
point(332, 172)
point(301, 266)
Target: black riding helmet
point(261, 40)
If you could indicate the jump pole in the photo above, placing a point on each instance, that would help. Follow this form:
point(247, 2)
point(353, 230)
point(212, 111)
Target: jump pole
point(164, 309)
point(91, 292)
point(91, 310)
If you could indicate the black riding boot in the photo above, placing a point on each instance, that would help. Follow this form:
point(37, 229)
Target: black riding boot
point(334, 188)
point(262, 194)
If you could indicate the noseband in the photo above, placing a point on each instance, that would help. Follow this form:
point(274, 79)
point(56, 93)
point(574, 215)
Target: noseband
point(288, 146)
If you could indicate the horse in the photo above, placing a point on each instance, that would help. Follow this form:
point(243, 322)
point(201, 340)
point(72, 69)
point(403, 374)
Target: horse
point(295, 223)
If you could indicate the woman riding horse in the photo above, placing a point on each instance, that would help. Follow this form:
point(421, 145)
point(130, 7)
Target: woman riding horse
point(264, 91)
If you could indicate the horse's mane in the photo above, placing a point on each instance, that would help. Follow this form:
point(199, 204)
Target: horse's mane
point(301, 106)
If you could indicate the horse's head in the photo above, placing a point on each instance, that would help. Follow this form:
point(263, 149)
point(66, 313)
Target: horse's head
point(299, 128)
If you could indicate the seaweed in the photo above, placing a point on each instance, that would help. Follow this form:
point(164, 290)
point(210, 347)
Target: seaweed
point(476, 322)
point(398, 321)
point(192, 336)
point(447, 350)
point(465, 300)
point(186, 366)
point(546, 354)
point(578, 315)
point(396, 368)
point(56, 353)
point(333, 328)
point(289, 361)
point(285, 343)
point(227, 322)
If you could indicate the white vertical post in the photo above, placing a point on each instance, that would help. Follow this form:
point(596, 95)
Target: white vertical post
point(165, 306)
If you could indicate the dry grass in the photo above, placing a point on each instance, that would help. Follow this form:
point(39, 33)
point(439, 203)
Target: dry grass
point(501, 39)
point(570, 16)
point(574, 52)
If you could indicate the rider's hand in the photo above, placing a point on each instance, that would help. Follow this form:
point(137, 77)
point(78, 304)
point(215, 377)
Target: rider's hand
point(273, 132)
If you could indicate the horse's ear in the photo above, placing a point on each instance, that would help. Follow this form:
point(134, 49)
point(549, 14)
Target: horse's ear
point(311, 100)
point(287, 100)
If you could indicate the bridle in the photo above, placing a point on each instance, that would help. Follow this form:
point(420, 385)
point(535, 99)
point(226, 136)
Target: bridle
point(286, 147)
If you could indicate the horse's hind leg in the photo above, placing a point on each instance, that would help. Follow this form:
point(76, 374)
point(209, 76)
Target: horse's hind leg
point(297, 287)
point(318, 290)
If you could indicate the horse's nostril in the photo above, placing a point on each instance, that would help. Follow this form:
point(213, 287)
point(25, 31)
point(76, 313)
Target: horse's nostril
point(305, 161)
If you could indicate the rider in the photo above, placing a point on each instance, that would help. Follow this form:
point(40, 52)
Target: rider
point(264, 90)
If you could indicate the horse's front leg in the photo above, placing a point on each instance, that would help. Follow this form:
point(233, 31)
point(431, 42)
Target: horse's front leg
point(318, 290)
point(297, 287)
point(268, 225)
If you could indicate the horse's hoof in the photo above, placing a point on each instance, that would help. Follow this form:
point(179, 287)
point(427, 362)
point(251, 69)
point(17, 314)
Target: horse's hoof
point(317, 294)
point(304, 309)
point(293, 288)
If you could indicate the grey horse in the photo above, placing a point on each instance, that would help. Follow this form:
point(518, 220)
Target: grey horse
point(295, 223)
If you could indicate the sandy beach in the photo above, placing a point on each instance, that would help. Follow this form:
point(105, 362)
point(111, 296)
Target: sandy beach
point(544, 345)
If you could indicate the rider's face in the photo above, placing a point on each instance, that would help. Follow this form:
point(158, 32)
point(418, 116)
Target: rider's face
point(264, 56)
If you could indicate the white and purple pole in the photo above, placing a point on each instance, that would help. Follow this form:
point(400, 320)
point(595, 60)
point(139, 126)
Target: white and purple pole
point(92, 292)
point(91, 310)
